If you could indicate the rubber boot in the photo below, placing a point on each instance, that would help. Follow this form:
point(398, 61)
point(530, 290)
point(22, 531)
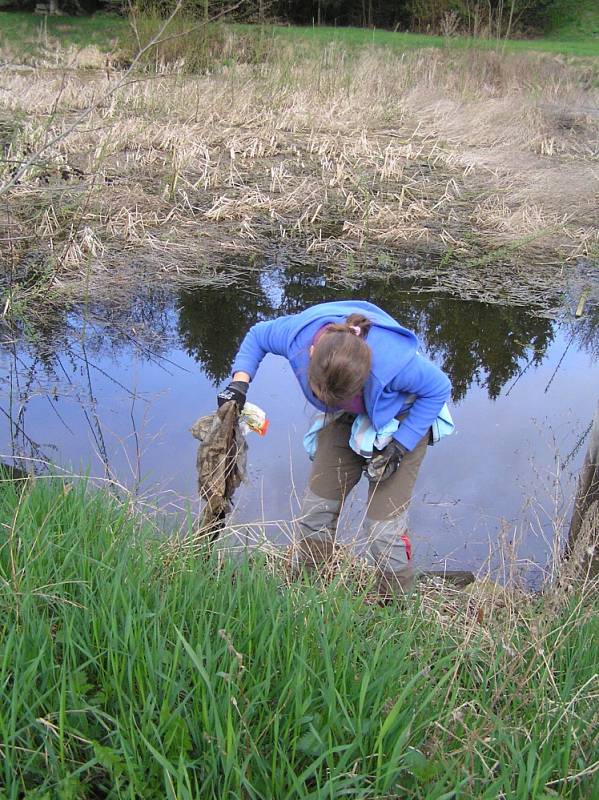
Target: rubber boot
point(389, 550)
point(395, 584)
point(317, 525)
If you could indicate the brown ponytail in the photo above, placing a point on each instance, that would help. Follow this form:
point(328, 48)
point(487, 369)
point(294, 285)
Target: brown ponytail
point(341, 361)
point(353, 321)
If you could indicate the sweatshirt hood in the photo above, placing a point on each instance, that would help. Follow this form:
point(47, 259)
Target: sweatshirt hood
point(389, 355)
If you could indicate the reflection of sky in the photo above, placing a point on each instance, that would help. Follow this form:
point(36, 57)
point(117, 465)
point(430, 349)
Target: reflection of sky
point(273, 283)
point(471, 487)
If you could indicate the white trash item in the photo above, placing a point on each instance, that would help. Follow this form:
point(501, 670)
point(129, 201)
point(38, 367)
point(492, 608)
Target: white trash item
point(253, 418)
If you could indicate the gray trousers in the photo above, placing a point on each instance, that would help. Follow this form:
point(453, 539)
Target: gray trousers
point(335, 471)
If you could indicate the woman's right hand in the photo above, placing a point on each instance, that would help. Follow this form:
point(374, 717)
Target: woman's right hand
point(236, 390)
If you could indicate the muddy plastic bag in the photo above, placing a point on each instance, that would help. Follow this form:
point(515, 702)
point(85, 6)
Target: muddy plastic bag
point(221, 461)
point(222, 457)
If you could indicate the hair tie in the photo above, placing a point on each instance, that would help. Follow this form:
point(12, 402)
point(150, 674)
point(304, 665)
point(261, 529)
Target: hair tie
point(356, 329)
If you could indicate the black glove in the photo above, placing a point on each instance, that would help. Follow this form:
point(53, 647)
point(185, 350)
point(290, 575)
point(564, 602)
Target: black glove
point(237, 391)
point(382, 465)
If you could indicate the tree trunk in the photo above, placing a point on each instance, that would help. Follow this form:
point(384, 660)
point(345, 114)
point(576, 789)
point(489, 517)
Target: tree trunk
point(585, 519)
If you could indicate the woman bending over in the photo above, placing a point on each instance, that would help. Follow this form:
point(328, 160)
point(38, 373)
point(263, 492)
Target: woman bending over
point(362, 368)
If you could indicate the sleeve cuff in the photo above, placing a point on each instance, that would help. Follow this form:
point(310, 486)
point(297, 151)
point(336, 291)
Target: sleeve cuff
point(407, 437)
point(244, 366)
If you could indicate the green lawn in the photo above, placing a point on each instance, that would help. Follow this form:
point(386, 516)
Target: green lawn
point(107, 30)
point(359, 37)
point(27, 31)
point(130, 670)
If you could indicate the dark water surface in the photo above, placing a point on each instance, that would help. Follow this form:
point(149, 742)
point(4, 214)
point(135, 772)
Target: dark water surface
point(118, 389)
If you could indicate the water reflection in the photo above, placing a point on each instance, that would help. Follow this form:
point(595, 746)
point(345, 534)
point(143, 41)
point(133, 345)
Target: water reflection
point(116, 388)
point(59, 357)
point(476, 342)
point(585, 331)
point(212, 324)
point(473, 342)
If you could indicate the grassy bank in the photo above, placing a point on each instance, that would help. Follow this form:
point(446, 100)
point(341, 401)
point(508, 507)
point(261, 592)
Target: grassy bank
point(134, 670)
point(577, 35)
point(574, 44)
point(27, 33)
point(573, 19)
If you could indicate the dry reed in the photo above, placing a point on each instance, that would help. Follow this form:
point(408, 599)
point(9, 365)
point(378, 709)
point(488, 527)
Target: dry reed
point(478, 159)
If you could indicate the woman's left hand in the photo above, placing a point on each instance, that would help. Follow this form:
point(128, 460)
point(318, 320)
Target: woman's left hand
point(382, 465)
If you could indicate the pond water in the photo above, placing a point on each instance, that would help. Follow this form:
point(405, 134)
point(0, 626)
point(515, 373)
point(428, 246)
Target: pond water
point(114, 390)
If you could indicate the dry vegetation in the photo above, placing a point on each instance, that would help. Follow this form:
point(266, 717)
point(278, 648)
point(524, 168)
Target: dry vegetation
point(362, 163)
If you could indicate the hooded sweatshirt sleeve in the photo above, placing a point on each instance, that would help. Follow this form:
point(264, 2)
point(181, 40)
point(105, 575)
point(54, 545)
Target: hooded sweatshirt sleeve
point(271, 336)
point(432, 388)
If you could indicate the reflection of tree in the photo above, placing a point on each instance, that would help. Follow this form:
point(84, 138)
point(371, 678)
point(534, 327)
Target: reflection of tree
point(474, 342)
point(144, 322)
point(212, 323)
point(586, 330)
point(52, 354)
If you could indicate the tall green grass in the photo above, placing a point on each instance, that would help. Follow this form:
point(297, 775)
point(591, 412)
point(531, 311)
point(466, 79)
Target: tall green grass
point(133, 670)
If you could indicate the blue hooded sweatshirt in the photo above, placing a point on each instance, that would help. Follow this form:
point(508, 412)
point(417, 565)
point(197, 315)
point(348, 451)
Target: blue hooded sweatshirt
point(397, 371)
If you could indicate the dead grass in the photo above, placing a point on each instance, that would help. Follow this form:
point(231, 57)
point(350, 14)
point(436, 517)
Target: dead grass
point(487, 162)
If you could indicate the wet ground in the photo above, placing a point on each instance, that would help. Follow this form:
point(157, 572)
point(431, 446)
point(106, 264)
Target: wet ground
point(114, 390)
